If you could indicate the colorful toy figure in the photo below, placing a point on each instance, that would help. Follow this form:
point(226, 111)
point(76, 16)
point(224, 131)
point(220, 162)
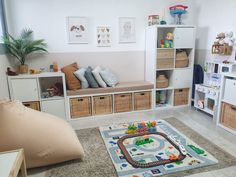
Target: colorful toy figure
point(143, 140)
point(132, 129)
point(178, 11)
point(169, 40)
point(142, 127)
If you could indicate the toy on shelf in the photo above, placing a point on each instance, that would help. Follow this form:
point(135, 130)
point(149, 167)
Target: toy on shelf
point(10, 72)
point(224, 43)
point(142, 127)
point(153, 20)
point(177, 11)
point(168, 42)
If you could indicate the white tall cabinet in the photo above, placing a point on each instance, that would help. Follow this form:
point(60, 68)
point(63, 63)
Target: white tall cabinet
point(179, 78)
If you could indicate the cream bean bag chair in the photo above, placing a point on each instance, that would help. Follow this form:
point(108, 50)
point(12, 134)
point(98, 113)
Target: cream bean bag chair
point(45, 138)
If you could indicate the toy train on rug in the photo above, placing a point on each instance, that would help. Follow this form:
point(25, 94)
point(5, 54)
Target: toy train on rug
point(143, 133)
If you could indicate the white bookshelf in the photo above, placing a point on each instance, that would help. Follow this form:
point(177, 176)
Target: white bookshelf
point(179, 78)
point(29, 88)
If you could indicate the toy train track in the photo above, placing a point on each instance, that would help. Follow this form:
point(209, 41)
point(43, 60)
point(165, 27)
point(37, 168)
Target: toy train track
point(137, 164)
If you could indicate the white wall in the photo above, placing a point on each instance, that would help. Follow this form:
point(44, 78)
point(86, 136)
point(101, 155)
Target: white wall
point(212, 17)
point(48, 19)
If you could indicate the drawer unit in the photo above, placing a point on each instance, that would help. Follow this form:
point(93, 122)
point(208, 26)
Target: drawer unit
point(181, 96)
point(142, 100)
point(123, 102)
point(183, 78)
point(229, 93)
point(228, 115)
point(25, 90)
point(54, 107)
point(165, 58)
point(80, 107)
point(165, 53)
point(102, 105)
point(33, 105)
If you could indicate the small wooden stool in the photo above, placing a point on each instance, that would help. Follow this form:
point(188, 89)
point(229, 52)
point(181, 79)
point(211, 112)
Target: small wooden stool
point(11, 162)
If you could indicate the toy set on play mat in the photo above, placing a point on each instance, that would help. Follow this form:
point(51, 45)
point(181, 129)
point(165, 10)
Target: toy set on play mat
point(147, 149)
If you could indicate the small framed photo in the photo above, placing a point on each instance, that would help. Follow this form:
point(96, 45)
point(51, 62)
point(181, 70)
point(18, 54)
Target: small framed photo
point(77, 28)
point(103, 36)
point(127, 30)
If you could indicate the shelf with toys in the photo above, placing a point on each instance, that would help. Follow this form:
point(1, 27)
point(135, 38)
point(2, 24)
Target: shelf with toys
point(169, 62)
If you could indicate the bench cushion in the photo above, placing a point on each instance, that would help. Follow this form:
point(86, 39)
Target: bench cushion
point(121, 87)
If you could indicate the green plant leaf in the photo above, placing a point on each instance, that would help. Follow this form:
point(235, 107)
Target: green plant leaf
point(21, 47)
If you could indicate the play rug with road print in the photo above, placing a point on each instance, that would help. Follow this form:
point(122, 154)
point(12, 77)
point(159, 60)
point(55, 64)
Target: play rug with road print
point(148, 149)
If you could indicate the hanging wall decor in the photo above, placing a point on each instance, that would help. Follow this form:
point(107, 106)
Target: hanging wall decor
point(77, 28)
point(127, 30)
point(103, 36)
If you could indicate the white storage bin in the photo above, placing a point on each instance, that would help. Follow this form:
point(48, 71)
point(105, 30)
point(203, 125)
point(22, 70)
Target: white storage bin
point(230, 91)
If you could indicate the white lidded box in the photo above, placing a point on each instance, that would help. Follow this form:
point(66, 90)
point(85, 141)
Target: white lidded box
point(230, 91)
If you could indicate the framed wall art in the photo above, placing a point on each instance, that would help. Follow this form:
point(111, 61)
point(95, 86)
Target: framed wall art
point(77, 28)
point(103, 36)
point(127, 30)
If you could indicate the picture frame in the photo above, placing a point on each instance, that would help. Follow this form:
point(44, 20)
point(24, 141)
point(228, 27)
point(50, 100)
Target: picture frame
point(77, 29)
point(103, 36)
point(127, 31)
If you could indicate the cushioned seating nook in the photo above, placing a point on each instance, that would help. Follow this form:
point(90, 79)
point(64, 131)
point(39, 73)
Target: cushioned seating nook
point(125, 97)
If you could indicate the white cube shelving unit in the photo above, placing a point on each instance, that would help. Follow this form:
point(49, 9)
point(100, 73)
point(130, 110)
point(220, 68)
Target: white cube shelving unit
point(179, 78)
point(28, 88)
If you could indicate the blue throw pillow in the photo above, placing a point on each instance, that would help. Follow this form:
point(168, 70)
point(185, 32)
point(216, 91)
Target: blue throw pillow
point(90, 78)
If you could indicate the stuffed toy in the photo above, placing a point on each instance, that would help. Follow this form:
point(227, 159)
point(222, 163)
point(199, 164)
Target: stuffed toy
point(229, 39)
point(169, 40)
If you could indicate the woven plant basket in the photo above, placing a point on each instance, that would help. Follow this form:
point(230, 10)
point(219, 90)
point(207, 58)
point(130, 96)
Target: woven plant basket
point(162, 81)
point(181, 59)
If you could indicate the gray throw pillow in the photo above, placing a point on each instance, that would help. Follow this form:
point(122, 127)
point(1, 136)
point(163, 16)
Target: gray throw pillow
point(90, 78)
point(80, 75)
point(110, 78)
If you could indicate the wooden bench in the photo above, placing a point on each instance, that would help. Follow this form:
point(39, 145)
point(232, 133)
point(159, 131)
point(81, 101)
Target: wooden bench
point(125, 97)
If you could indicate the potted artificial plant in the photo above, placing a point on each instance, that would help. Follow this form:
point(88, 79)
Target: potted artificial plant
point(23, 46)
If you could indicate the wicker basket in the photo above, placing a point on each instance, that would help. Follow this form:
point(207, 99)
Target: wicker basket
point(142, 100)
point(80, 107)
point(165, 58)
point(228, 115)
point(123, 103)
point(181, 97)
point(182, 60)
point(33, 105)
point(162, 81)
point(102, 105)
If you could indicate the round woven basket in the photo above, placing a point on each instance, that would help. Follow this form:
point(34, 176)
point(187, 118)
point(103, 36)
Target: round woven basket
point(162, 81)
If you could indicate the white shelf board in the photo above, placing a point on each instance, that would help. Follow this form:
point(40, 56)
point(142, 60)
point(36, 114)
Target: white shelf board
point(167, 88)
point(53, 98)
point(163, 106)
point(183, 68)
point(165, 69)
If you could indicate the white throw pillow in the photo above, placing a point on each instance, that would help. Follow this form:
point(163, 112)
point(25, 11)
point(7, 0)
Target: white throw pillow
point(96, 74)
point(109, 77)
point(80, 75)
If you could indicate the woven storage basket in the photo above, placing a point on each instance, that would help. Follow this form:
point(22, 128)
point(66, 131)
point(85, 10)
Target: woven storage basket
point(142, 100)
point(182, 60)
point(228, 115)
point(165, 58)
point(181, 97)
point(33, 105)
point(162, 81)
point(80, 107)
point(102, 105)
point(123, 102)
